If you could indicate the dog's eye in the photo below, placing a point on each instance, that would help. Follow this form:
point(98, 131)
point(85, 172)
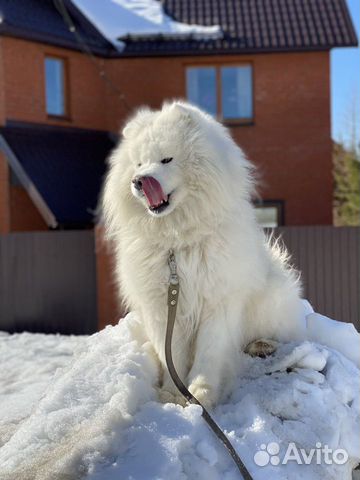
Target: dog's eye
point(166, 160)
point(139, 164)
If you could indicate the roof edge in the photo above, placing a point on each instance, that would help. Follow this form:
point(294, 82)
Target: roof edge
point(113, 54)
point(11, 123)
point(350, 23)
point(7, 30)
point(225, 52)
point(32, 191)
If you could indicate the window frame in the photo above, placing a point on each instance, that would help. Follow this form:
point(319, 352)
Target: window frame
point(219, 112)
point(66, 87)
point(280, 209)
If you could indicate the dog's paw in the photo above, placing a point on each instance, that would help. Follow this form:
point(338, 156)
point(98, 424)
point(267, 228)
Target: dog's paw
point(170, 397)
point(261, 348)
point(203, 392)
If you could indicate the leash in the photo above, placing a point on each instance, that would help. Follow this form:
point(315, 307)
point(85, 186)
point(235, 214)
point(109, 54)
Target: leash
point(173, 296)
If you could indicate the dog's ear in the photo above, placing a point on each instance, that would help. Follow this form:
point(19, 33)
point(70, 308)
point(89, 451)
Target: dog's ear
point(181, 112)
point(134, 125)
point(180, 109)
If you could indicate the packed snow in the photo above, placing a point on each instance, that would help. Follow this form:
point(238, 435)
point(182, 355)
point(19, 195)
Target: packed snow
point(76, 407)
point(121, 19)
point(28, 362)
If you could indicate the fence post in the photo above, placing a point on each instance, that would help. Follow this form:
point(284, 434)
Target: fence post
point(108, 304)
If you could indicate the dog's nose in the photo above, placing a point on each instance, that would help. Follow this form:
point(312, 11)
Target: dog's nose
point(137, 181)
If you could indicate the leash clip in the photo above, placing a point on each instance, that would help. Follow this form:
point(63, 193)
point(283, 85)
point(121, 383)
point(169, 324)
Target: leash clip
point(174, 279)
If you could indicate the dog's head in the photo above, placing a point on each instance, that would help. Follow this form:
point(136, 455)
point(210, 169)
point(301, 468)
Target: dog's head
point(158, 154)
point(174, 163)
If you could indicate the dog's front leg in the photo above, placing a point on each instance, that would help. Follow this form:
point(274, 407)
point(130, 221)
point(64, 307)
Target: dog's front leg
point(168, 392)
point(216, 355)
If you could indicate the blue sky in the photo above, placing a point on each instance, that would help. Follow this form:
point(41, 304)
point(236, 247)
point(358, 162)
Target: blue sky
point(345, 85)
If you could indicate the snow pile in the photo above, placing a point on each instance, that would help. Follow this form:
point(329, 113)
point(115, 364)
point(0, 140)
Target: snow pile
point(119, 19)
point(27, 363)
point(99, 416)
point(337, 335)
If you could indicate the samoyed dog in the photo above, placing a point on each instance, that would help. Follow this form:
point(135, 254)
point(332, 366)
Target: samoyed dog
point(178, 181)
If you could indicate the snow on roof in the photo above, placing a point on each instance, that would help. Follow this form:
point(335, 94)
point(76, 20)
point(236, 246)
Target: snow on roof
point(121, 19)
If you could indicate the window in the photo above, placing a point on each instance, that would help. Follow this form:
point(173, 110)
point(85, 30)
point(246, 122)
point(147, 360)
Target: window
point(270, 214)
point(201, 88)
point(55, 86)
point(236, 92)
point(226, 91)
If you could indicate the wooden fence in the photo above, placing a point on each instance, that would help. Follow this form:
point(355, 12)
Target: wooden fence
point(329, 261)
point(48, 282)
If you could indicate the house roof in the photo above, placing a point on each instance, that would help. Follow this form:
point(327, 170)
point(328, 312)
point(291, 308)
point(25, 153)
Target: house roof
point(40, 20)
point(64, 165)
point(248, 26)
point(257, 25)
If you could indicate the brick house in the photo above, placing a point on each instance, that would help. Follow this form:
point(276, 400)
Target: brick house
point(267, 78)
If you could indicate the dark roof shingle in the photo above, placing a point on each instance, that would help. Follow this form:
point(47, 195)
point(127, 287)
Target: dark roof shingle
point(66, 165)
point(40, 20)
point(248, 26)
point(256, 25)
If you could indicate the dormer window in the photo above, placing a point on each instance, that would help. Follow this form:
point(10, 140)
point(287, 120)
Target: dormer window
point(55, 87)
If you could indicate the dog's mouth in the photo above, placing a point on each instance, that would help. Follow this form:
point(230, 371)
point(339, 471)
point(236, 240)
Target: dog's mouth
point(161, 207)
point(156, 199)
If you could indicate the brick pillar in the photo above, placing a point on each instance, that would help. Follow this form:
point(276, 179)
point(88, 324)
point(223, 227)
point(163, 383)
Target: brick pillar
point(109, 309)
point(4, 195)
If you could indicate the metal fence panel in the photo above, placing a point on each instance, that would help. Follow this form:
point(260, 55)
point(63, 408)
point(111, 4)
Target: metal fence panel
point(48, 282)
point(329, 261)
point(48, 279)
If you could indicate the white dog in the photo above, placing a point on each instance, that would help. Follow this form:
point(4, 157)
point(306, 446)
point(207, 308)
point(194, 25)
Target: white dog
point(178, 181)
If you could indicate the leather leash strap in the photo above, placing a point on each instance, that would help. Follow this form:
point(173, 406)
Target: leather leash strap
point(173, 296)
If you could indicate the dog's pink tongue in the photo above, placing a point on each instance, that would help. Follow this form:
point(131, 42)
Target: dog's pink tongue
point(153, 192)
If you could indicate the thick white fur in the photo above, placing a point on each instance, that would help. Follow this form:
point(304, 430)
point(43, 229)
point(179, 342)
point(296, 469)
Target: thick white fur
point(235, 286)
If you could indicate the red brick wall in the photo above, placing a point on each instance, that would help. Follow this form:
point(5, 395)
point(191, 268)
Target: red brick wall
point(109, 308)
point(2, 87)
point(4, 173)
point(25, 86)
point(22, 98)
point(290, 139)
point(23, 213)
point(4, 196)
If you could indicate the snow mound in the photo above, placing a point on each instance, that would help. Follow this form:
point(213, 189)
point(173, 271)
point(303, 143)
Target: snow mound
point(99, 418)
point(27, 363)
point(337, 335)
point(119, 19)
